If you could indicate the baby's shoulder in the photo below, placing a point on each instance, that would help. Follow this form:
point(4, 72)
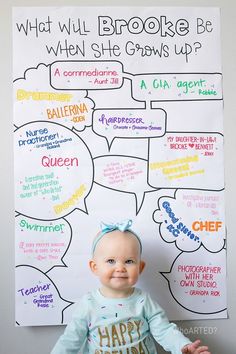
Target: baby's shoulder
point(141, 293)
point(145, 298)
point(89, 297)
point(85, 303)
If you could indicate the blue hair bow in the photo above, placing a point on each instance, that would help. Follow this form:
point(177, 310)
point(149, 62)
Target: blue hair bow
point(121, 226)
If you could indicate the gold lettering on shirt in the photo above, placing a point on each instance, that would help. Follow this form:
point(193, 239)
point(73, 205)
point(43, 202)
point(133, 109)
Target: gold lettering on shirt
point(122, 332)
point(130, 328)
point(115, 336)
point(138, 324)
point(104, 336)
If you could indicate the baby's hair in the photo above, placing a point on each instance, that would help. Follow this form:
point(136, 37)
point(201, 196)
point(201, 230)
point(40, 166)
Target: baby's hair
point(122, 226)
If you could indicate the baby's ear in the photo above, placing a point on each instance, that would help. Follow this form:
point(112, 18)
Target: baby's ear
point(141, 266)
point(93, 266)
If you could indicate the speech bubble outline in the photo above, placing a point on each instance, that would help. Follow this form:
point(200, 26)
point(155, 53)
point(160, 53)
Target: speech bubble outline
point(161, 87)
point(85, 64)
point(129, 160)
point(122, 123)
point(177, 219)
point(211, 285)
point(31, 292)
point(34, 96)
point(80, 194)
point(184, 165)
point(42, 252)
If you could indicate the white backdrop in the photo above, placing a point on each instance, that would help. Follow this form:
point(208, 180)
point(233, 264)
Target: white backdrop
point(216, 333)
point(114, 123)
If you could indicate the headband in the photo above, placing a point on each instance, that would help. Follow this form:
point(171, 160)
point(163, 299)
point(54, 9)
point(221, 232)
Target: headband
point(120, 226)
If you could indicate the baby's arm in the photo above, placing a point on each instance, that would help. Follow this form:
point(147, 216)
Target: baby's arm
point(164, 332)
point(75, 334)
point(168, 335)
point(195, 348)
point(71, 341)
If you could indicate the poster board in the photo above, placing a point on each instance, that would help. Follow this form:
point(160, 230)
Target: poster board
point(118, 114)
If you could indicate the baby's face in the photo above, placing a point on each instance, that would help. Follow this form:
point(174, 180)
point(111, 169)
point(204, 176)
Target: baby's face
point(117, 263)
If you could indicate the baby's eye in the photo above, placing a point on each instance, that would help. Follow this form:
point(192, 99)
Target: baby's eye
point(129, 261)
point(110, 261)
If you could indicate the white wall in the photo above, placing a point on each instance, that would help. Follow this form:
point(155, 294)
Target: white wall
point(218, 334)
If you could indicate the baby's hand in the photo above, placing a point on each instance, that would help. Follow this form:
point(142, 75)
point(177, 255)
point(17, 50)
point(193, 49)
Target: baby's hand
point(195, 348)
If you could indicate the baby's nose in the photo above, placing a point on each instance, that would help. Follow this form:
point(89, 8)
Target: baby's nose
point(120, 267)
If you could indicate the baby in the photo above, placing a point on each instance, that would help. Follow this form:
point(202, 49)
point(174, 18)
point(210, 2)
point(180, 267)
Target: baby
point(119, 318)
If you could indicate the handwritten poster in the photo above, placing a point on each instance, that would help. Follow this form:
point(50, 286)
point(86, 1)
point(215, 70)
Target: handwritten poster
point(118, 114)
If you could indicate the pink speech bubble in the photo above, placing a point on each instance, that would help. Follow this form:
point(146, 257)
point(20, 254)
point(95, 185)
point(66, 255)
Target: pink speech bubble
point(197, 281)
